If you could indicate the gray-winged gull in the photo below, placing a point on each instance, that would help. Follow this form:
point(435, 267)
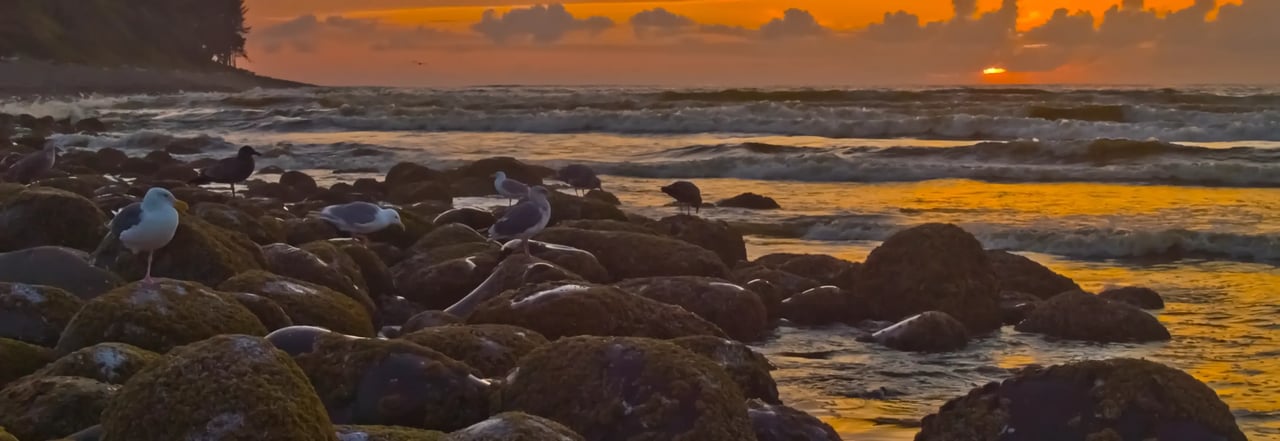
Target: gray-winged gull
point(360, 218)
point(33, 165)
point(579, 176)
point(145, 226)
point(525, 219)
point(229, 170)
point(510, 188)
point(685, 193)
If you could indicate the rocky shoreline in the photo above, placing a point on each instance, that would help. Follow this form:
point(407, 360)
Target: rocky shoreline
point(45, 78)
point(267, 325)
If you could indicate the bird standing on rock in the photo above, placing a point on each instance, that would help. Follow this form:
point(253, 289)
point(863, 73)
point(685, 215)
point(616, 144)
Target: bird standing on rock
point(525, 219)
point(360, 218)
point(579, 176)
point(510, 188)
point(145, 226)
point(229, 170)
point(32, 166)
point(686, 194)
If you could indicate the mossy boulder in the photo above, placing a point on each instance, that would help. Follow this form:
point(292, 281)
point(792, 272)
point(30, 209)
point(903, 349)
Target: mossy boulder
point(715, 235)
point(158, 317)
point(786, 282)
point(577, 261)
point(630, 255)
point(1116, 399)
point(305, 230)
point(1077, 315)
point(776, 422)
point(440, 285)
point(508, 426)
point(448, 234)
point(629, 389)
point(825, 269)
point(395, 311)
point(737, 311)
point(111, 363)
point(394, 382)
point(491, 349)
point(306, 303)
point(429, 319)
point(234, 219)
point(415, 227)
point(35, 314)
point(39, 216)
point(556, 310)
point(199, 252)
point(60, 267)
point(932, 267)
point(227, 387)
point(83, 185)
point(335, 274)
point(930, 331)
point(386, 433)
point(376, 274)
point(1021, 274)
point(19, 359)
point(42, 408)
point(824, 305)
point(1141, 297)
point(748, 368)
point(477, 219)
point(266, 310)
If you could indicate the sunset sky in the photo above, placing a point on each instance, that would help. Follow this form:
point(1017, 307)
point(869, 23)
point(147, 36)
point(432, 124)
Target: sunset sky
point(765, 42)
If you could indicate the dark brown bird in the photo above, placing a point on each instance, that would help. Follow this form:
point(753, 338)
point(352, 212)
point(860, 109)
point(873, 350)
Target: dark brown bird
point(32, 166)
point(230, 170)
point(579, 176)
point(686, 194)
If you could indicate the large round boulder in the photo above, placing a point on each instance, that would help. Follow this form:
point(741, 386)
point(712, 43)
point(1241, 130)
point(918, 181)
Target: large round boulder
point(628, 389)
point(266, 310)
point(386, 433)
point(43, 408)
point(1077, 315)
point(578, 261)
point(200, 252)
point(567, 207)
point(1117, 399)
point(786, 282)
point(440, 285)
point(227, 387)
point(39, 216)
point(491, 349)
point(1141, 297)
point(230, 218)
point(394, 382)
point(35, 314)
point(306, 303)
point(512, 426)
point(929, 331)
point(1018, 273)
point(556, 309)
point(448, 234)
point(750, 201)
point(824, 305)
point(737, 311)
point(372, 268)
point(748, 368)
point(335, 273)
point(776, 422)
point(932, 267)
point(59, 267)
point(630, 255)
point(111, 363)
point(19, 359)
point(714, 235)
point(820, 267)
point(158, 317)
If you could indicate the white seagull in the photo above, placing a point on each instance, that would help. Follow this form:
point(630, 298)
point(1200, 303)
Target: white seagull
point(511, 188)
point(525, 219)
point(360, 218)
point(145, 226)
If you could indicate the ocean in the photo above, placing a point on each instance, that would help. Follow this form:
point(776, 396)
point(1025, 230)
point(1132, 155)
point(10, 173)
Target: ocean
point(1174, 189)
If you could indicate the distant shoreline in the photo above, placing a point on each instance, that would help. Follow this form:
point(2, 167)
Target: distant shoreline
point(27, 78)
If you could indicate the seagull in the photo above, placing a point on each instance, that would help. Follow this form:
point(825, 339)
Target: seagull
point(510, 188)
point(229, 170)
point(33, 165)
point(360, 218)
point(686, 194)
point(579, 176)
point(145, 226)
point(525, 219)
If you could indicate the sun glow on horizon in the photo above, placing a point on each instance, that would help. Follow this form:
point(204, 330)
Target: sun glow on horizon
point(994, 71)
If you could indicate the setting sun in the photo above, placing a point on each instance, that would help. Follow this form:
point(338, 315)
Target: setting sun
point(993, 71)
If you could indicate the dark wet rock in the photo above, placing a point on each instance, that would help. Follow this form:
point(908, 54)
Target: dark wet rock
point(419, 192)
point(776, 422)
point(748, 368)
point(491, 349)
point(368, 186)
point(515, 426)
point(111, 363)
point(59, 267)
point(556, 310)
point(298, 339)
point(300, 231)
point(109, 160)
point(476, 219)
point(135, 166)
point(306, 303)
point(530, 175)
point(770, 296)
point(1116, 399)
point(299, 182)
point(396, 311)
point(386, 433)
point(790, 284)
point(415, 227)
point(335, 270)
point(200, 252)
point(236, 220)
point(440, 285)
point(1018, 273)
point(629, 255)
point(429, 319)
point(578, 261)
point(92, 433)
point(40, 216)
point(629, 389)
point(176, 172)
point(35, 314)
point(158, 317)
point(824, 305)
point(270, 170)
point(19, 359)
point(1077, 315)
point(42, 408)
point(390, 254)
point(408, 173)
point(449, 234)
point(1141, 297)
point(227, 387)
point(568, 207)
point(740, 313)
point(394, 382)
point(715, 235)
point(371, 266)
point(191, 195)
point(1015, 306)
point(610, 225)
point(83, 185)
point(820, 267)
point(602, 196)
point(266, 310)
point(930, 331)
point(751, 201)
point(932, 267)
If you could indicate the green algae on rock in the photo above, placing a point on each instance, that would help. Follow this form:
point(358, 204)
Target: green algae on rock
point(306, 303)
point(748, 368)
point(557, 309)
point(376, 274)
point(386, 433)
point(199, 252)
point(18, 359)
point(628, 255)
point(230, 387)
point(1090, 400)
point(508, 426)
point(38, 216)
point(266, 310)
point(304, 264)
point(491, 349)
point(629, 389)
point(394, 382)
point(42, 408)
point(111, 363)
point(35, 314)
point(233, 219)
point(737, 311)
point(158, 317)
